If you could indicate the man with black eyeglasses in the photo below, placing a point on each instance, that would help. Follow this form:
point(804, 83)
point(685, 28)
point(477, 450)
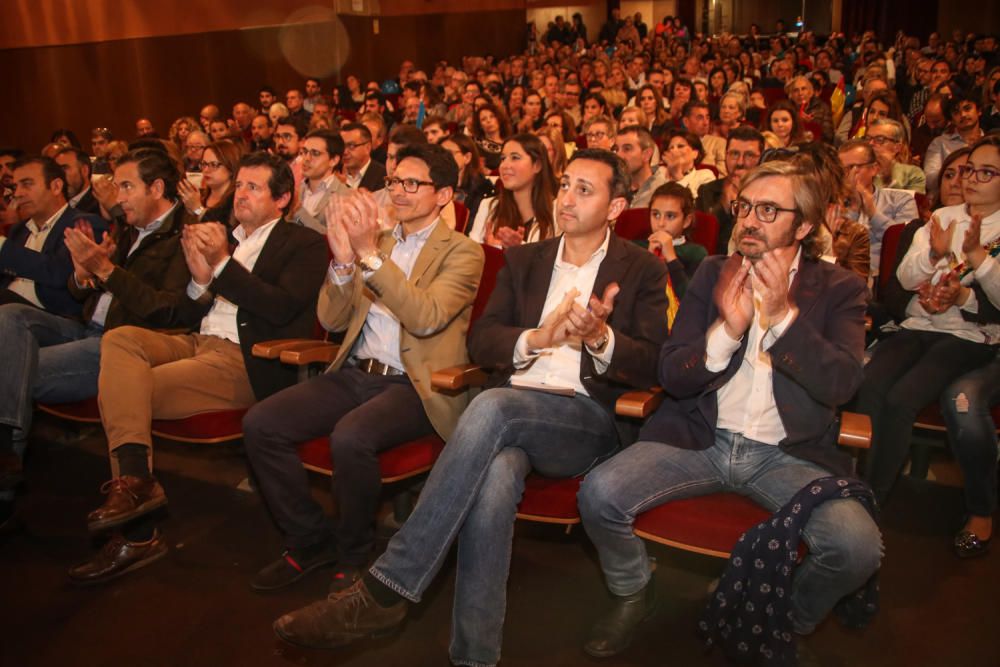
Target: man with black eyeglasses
point(404, 298)
point(320, 154)
point(361, 170)
point(744, 146)
point(767, 343)
point(876, 207)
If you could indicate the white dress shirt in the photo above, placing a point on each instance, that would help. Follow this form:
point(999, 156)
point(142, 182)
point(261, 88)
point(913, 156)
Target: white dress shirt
point(221, 319)
point(559, 367)
point(746, 403)
point(380, 335)
point(354, 182)
point(311, 198)
point(24, 287)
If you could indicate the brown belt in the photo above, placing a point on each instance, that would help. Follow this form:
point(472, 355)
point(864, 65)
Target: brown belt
point(375, 367)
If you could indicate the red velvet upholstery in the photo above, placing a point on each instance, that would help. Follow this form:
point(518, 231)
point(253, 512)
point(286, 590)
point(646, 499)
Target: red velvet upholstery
point(890, 243)
point(633, 224)
point(205, 427)
point(494, 262)
point(709, 524)
point(704, 231)
point(550, 500)
point(406, 460)
point(461, 217)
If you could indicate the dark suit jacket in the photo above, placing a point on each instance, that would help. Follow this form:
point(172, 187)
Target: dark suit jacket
point(710, 201)
point(817, 363)
point(639, 319)
point(374, 178)
point(276, 300)
point(52, 267)
point(88, 203)
point(148, 286)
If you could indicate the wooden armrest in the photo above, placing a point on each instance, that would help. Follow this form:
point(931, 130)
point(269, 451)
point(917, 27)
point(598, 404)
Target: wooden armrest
point(855, 430)
point(458, 377)
point(318, 352)
point(272, 349)
point(638, 404)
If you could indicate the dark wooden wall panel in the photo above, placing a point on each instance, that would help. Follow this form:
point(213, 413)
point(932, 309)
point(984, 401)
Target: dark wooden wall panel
point(114, 83)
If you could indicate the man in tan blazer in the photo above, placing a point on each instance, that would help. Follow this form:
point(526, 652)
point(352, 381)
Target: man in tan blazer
point(404, 298)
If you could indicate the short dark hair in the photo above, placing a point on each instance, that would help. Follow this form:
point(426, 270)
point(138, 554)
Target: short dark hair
point(297, 122)
point(81, 156)
point(10, 151)
point(281, 181)
point(955, 103)
point(102, 132)
point(440, 163)
point(69, 134)
point(440, 121)
point(314, 80)
point(746, 133)
point(50, 169)
point(266, 89)
point(691, 106)
point(377, 96)
point(620, 180)
point(334, 143)
point(154, 165)
point(690, 138)
point(678, 191)
point(406, 135)
point(366, 134)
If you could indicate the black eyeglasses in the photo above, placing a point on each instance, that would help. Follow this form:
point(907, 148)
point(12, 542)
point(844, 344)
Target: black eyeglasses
point(410, 185)
point(983, 174)
point(765, 211)
point(312, 152)
point(880, 141)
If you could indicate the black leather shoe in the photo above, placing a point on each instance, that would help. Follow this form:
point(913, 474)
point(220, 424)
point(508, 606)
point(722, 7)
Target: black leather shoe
point(968, 545)
point(340, 619)
point(292, 566)
point(118, 557)
point(613, 633)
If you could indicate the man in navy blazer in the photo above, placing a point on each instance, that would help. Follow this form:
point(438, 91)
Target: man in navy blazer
point(34, 261)
point(767, 343)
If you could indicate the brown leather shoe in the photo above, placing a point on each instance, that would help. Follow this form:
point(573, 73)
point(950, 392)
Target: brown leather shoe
point(340, 619)
point(118, 557)
point(128, 497)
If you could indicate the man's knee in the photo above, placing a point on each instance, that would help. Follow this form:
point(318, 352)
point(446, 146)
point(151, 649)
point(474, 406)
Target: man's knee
point(598, 493)
point(260, 425)
point(504, 482)
point(847, 537)
point(121, 339)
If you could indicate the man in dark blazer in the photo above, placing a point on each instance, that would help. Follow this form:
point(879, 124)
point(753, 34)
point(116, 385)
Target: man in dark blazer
point(138, 279)
point(76, 167)
point(362, 171)
point(744, 146)
point(34, 261)
point(266, 289)
point(767, 343)
point(571, 324)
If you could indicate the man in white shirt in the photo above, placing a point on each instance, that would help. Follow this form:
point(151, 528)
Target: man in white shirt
point(265, 289)
point(572, 323)
point(766, 344)
point(321, 153)
point(76, 167)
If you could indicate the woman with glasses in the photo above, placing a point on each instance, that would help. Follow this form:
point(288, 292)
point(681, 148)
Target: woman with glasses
point(473, 185)
point(522, 211)
point(952, 328)
point(213, 202)
point(888, 138)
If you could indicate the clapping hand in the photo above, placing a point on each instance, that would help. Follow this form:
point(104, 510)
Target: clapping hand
point(193, 246)
point(940, 239)
point(971, 245)
point(590, 324)
point(554, 328)
point(734, 296)
point(90, 258)
point(508, 237)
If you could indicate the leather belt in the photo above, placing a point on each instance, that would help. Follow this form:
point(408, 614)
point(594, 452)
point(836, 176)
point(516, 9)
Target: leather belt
point(375, 367)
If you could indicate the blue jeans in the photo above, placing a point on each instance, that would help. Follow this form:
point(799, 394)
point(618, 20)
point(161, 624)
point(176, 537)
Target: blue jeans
point(46, 358)
point(472, 496)
point(973, 435)
point(845, 545)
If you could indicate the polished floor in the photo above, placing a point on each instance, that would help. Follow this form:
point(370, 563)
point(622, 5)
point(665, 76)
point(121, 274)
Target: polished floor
point(194, 607)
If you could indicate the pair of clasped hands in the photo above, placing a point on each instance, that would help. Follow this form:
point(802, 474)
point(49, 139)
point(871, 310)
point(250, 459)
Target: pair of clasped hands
point(739, 279)
point(569, 320)
point(938, 296)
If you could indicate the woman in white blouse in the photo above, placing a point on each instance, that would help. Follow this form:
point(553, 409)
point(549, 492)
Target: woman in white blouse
point(681, 153)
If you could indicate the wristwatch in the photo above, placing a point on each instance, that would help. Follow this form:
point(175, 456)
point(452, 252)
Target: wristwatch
point(373, 262)
point(602, 344)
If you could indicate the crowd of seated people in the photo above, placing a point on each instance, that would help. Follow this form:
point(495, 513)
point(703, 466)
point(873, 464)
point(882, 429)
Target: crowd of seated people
point(340, 204)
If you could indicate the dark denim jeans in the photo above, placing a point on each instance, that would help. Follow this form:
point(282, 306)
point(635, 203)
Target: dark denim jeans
point(472, 496)
point(845, 545)
point(973, 435)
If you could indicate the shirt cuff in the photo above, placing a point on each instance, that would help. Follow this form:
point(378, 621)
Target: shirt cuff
point(971, 304)
point(772, 335)
point(603, 360)
point(522, 355)
point(195, 290)
point(217, 271)
point(719, 348)
point(338, 279)
point(988, 267)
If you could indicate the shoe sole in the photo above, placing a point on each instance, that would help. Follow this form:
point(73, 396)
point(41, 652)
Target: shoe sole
point(376, 634)
point(131, 568)
point(141, 510)
point(609, 654)
point(306, 571)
